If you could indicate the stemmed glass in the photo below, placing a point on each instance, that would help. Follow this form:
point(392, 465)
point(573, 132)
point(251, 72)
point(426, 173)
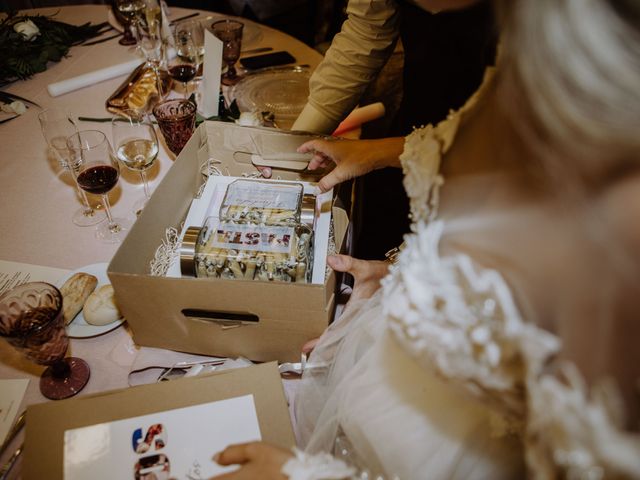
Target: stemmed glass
point(98, 173)
point(230, 33)
point(184, 66)
point(129, 10)
point(136, 146)
point(57, 125)
point(31, 320)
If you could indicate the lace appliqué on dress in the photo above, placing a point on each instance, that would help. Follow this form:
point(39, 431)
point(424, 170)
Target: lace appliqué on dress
point(461, 321)
point(577, 433)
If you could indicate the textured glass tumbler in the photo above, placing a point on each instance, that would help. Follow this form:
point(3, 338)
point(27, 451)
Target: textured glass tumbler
point(177, 120)
point(31, 321)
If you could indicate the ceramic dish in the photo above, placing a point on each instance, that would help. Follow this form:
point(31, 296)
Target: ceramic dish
point(282, 91)
point(79, 328)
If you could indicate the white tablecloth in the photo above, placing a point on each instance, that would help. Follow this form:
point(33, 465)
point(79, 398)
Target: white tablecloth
point(38, 199)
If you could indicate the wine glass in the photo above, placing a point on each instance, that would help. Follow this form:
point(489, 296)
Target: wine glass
point(31, 320)
point(129, 11)
point(149, 36)
point(184, 66)
point(98, 173)
point(136, 144)
point(195, 29)
point(230, 33)
point(57, 125)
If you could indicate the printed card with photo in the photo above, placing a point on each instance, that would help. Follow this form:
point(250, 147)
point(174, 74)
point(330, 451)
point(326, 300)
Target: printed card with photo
point(172, 445)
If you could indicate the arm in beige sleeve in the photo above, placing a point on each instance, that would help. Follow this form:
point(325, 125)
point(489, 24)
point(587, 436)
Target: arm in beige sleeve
point(355, 57)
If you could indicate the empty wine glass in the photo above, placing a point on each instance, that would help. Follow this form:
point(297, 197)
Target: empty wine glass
point(230, 33)
point(31, 320)
point(149, 36)
point(184, 66)
point(57, 125)
point(129, 11)
point(98, 173)
point(195, 29)
point(136, 144)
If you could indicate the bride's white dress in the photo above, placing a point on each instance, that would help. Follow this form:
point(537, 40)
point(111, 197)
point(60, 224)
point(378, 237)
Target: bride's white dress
point(438, 375)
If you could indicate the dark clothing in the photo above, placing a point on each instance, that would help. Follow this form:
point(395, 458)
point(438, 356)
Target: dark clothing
point(445, 56)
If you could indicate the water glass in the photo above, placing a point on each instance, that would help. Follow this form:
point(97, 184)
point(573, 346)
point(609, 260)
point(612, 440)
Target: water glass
point(177, 120)
point(230, 33)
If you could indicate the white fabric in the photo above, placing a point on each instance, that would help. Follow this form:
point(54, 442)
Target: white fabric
point(316, 467)
point(439, 374)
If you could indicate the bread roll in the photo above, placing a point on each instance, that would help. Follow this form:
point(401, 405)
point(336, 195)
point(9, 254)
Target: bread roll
point(75, 292)
point(100, 308)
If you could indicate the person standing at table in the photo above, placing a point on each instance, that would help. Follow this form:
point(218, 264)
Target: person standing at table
point(447, 45)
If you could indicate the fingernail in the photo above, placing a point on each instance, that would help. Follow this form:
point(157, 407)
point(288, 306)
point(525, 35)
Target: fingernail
point(216, 457)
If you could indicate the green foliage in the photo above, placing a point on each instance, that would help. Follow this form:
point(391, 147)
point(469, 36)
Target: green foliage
point(21, 58)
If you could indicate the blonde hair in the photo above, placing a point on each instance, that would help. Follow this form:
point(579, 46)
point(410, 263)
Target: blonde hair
point(571, 81)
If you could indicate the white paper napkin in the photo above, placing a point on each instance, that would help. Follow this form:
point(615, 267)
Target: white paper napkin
point(86, 79)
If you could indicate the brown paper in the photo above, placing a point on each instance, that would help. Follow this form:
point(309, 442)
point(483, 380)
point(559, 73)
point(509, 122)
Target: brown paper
point(47, 422)
point(262, 321)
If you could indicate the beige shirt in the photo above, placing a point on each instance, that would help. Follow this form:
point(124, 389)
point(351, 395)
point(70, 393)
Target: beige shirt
point(357, 54)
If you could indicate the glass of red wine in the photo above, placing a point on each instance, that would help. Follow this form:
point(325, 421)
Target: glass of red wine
point(31, 320)
point(98, 173)
point(230, 33)
point(184, 66)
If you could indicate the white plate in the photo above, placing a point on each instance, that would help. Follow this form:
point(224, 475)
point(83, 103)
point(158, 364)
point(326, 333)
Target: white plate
point(78, 328)
point(282, 91)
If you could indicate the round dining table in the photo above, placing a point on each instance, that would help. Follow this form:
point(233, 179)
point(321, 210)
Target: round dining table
point(38, 197)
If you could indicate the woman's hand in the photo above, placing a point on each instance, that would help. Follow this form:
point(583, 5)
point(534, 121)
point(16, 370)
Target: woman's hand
point(256, 460)
point(353, 158)
point(367, 274)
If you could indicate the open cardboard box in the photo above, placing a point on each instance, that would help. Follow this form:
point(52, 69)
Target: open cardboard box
point(262, 321)
point(47, 422)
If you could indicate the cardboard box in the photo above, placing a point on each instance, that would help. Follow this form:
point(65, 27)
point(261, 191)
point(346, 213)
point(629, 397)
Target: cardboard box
point(47, 422)
point(259, 320)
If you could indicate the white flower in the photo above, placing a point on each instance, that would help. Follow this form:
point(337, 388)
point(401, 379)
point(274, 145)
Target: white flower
point(27, 29)
point(16, 107)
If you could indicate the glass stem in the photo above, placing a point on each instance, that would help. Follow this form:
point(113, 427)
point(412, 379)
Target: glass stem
point(143, 176)
point(113, 226)
point(60, 369)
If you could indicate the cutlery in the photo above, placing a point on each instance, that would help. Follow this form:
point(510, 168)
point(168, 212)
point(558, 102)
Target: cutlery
point(14, 430)
point(95, 42)
point(6, 468)
point(9, 97)
point(256, 50)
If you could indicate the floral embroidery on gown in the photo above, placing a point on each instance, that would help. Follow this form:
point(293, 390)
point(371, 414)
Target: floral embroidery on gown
point(439, 376)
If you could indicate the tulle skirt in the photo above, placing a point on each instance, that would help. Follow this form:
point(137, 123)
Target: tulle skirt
point(365, 400)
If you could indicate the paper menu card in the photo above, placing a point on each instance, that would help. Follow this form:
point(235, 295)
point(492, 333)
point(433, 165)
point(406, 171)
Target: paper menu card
point(47, 422)
point(211, 72)
point(176, 444)
point(13, 274)
point(11, 393)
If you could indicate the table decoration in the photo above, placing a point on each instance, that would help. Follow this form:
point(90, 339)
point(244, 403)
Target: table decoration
point(29, 42)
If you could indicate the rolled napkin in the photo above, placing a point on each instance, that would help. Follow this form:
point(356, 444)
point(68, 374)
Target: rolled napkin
point(359, 116)
point(86, 79)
